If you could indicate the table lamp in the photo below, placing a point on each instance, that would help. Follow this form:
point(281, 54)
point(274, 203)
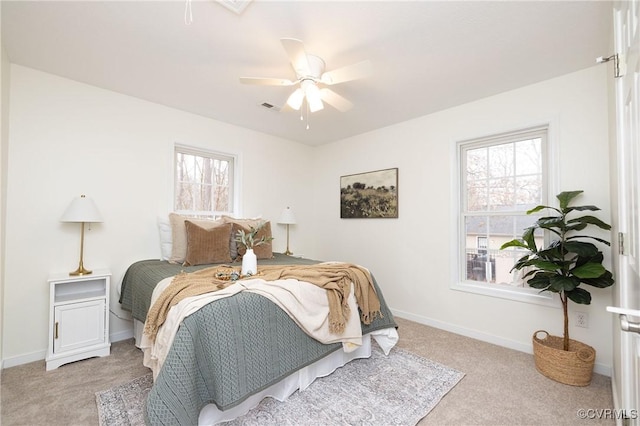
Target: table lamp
point(287, 218)
point(81, 210)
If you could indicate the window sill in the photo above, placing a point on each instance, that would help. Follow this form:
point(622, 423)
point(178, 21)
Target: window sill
point(519, 294)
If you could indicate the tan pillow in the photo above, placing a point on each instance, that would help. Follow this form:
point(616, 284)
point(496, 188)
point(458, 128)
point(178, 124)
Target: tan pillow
point(207, 245)
point(179, 234)
point(264, 251)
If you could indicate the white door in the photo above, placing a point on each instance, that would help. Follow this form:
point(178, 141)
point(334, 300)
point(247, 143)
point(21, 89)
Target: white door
point(626, 374)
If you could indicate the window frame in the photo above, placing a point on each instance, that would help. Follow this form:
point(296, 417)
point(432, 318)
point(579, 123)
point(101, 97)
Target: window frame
point(459, 281)
point(234, 179)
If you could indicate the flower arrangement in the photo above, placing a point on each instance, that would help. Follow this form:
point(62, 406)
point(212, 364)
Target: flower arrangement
point(248, 239)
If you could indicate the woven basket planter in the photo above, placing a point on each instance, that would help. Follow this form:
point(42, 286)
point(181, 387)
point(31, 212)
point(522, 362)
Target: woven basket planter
point(573, 367)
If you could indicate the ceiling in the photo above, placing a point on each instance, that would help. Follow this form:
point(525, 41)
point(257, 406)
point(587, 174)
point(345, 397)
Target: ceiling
point(426, 55)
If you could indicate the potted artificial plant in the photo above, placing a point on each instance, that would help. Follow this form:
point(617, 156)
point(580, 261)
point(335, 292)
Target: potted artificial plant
point(248, 240)
point(570, 260)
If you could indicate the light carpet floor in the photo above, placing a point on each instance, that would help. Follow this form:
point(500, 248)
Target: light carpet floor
point(501, 386)
point(397, 389)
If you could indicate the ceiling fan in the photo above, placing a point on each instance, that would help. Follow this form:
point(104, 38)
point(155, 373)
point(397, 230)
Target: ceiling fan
point(311, 76)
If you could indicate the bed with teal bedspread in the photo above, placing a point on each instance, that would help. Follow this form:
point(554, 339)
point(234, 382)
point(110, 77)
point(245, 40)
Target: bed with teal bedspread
point(229, 349)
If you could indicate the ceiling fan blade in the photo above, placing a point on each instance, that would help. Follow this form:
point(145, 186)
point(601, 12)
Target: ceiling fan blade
point(335, 100)
point(260, 81)
point(297, 55)
point(347, 73)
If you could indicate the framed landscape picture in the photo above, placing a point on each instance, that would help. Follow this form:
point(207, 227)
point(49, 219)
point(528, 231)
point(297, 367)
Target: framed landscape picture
point(369, 195)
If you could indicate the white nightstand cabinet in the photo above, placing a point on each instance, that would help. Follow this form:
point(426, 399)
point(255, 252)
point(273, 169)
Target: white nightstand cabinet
point(78, 317)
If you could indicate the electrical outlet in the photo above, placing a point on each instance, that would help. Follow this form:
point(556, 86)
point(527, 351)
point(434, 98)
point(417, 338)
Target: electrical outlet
point(582, 319)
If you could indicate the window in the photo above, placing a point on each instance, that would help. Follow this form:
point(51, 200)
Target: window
point(501, 178)
point(203, 182)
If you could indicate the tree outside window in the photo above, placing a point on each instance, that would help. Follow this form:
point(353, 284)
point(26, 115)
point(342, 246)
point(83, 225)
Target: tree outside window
point(203, 182)
point(502, 177)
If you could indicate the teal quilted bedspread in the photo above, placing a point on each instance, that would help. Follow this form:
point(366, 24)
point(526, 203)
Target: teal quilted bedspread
point(226, 351)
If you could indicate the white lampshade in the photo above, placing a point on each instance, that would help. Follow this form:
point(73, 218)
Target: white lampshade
point(312, 93)
point(287, 217)
point(81, 209)
point(296, 98)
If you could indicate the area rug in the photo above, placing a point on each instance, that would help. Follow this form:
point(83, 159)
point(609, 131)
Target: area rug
point(124, 405)
point(398, 389)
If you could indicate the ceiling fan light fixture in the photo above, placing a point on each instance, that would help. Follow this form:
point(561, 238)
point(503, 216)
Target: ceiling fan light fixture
point(312, 93)
point(296, 98)
point(310, 73)
point(315, 104)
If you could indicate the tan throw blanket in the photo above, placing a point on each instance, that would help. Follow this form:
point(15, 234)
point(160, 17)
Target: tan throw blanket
point(335, 278)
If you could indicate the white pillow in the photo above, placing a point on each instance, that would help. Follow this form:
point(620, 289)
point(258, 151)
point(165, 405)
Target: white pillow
point(164, 227)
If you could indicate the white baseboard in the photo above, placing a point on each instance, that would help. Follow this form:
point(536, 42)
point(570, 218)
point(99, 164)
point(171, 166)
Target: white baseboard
point(24, 359)
point(40, 355)
point(603, 369)
point(121, 335)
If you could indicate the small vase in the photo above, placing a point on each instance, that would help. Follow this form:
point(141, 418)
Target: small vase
point(249, 263)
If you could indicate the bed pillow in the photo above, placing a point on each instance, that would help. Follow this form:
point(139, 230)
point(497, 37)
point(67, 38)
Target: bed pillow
point(264, 251)
point(179, 234)
point(206, 246)
point(164, 229)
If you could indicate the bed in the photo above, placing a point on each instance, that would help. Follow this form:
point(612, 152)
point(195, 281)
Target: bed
point(229, 354)
point(225, 356)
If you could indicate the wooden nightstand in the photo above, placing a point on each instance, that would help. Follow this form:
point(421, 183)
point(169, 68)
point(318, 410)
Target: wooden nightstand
point(78, 317)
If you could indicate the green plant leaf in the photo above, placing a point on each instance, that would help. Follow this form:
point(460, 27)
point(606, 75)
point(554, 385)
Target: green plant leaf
point(596, 258)
point(582, 208)
point(539, 281)
point(579, 295)
point(581, 248)
point(550, 221)
point(545, 265)
point(573, 237)
point(588, 270)
point(521, 263)
point(538, 208)
point(581, 260)
point(566, 197)
point(514, 243)
point(577, 227)
point(603, 281)
point(562, 283)
point(591, 220)
point(552, 253)
point(530, 239)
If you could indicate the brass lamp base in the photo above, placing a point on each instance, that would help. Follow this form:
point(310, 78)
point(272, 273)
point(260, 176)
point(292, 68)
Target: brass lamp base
point(80, 271)
point(288, 252)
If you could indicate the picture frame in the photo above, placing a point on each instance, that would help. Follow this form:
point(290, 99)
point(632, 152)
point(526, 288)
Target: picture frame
point(369, 195)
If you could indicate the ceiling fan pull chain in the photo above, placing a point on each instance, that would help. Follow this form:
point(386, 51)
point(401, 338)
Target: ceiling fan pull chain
point(307, 115)
point(188, 15)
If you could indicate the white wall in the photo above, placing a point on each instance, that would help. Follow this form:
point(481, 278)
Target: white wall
point(68, 139)
point(4, 145)
point(413, 256)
